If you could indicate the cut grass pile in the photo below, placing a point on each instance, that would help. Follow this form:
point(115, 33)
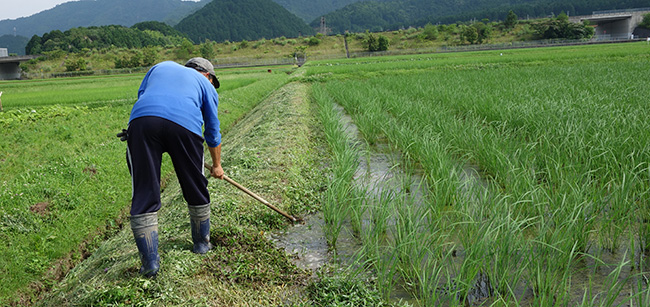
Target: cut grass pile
point(65, 184)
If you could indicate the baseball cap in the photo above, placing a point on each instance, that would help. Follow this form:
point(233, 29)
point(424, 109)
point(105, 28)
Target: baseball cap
point(204, 65)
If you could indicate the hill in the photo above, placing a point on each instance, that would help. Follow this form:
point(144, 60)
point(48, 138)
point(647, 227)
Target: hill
point(395, 14)
point(145, 34)
point(15, 44)
point(310, 10)
point(236, 20)
point(86, 13)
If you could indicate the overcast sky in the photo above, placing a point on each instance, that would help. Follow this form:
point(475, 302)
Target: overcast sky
point(12, 9)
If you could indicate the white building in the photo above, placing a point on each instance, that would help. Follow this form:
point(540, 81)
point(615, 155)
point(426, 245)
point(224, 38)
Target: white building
point(4, 52)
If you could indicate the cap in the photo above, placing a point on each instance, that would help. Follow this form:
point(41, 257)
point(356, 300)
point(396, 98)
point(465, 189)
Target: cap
point(204, 65)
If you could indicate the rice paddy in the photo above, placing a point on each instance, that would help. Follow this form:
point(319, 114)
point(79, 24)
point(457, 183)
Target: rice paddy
point(558, 142)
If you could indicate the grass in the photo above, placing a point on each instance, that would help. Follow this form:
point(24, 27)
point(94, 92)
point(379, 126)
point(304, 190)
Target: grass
point(244, 268)
point(73, 189)
point(559, 135)
point(561, 183)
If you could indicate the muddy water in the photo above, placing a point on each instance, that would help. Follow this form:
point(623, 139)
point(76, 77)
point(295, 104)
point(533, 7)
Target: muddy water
point(379, 171)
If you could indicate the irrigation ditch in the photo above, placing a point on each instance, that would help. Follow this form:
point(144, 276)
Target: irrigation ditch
point(379, 173)
point(383, 180)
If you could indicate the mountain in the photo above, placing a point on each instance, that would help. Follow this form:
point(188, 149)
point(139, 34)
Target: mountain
point(15, 44)
point(381, 15)
point(237, 20)
point(310, 10)
point(86, 13)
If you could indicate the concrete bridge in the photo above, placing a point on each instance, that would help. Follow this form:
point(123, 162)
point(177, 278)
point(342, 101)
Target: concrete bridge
point(10, 65)
point(616, 24)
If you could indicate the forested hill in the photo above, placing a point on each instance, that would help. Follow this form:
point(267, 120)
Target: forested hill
point(85, 13)
point(310, 10)
point(237, 20)
point(380, 15)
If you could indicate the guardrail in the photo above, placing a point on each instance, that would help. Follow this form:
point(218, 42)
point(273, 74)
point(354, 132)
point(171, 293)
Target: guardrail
point(620, 11)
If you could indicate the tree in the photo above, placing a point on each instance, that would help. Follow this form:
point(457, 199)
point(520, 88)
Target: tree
point(207, 49)
point(371, 42)
point(185, 50)
point(313, 41)
point(34, 45)
point(483, 31)
point(430, 32)
point(382, 43)
point(469, 34)
point(379, 43)
point(76, 64)
point(645, 23)
point(561, 27)
point(511, 20)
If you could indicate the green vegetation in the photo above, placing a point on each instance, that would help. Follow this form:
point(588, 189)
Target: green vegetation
point(513, 180)
point(379, 16)
point(14, 44)
point(65, 185)
point(645, 23)
point(230, 20)
point(274, 150)
point(310, 10)
point(562, 28)
point(412, 40)
point(83, 39)
point(561, 172)
point(76, 14)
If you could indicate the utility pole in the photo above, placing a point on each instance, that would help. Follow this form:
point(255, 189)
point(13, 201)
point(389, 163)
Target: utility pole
point(345, 39)
point(323, 28)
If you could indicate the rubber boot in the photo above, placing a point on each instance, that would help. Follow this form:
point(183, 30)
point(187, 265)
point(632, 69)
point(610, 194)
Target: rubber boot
point(145, 232)
point(200, 222)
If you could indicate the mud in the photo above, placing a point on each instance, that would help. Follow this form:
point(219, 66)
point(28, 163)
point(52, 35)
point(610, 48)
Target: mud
point(379, 171)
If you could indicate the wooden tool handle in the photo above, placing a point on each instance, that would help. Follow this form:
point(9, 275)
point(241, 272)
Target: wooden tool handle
point(260, 199)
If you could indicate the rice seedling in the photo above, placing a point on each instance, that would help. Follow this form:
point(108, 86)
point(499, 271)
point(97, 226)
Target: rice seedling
point(562, 159)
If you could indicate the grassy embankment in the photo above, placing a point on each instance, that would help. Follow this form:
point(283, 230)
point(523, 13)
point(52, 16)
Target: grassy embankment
point(333, 46)
point(560, 139)
point(65, 185)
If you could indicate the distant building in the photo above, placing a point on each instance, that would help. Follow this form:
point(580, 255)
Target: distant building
point(4, 52)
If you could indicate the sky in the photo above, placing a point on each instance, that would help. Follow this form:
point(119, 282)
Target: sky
point(12, 9)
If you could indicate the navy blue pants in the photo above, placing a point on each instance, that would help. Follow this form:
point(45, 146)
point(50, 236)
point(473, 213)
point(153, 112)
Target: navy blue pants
point(148, 138)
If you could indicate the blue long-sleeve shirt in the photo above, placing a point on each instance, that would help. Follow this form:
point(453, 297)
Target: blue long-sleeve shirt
point(181, 95)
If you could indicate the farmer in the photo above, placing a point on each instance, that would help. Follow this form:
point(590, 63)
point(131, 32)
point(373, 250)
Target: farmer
point(174, 103)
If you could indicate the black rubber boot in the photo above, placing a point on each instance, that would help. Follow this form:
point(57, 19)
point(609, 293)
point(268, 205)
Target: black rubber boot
point(145, 232)
point(200, 222)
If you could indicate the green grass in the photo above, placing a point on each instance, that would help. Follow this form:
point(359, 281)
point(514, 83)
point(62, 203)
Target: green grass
point(559, 135)
point(280, 140)
point(65, 184)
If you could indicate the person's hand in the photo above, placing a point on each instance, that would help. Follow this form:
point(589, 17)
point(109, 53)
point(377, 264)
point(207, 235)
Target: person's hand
point(122, 135)
point(216, 172)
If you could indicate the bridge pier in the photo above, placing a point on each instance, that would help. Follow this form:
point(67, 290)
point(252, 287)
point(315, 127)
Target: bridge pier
point(10, 66)
point(10, 71)
point(614, 25)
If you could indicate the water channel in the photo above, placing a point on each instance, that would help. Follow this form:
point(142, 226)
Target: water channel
point(379, 171)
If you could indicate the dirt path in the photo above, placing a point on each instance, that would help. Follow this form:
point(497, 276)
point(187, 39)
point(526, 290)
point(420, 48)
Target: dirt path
point(276, 151)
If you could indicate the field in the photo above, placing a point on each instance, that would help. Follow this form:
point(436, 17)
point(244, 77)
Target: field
point(534, 166)
point(515, 177)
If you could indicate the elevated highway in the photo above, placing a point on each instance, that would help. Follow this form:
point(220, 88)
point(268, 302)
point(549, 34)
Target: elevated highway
point(615, 24)
point(10, 66)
